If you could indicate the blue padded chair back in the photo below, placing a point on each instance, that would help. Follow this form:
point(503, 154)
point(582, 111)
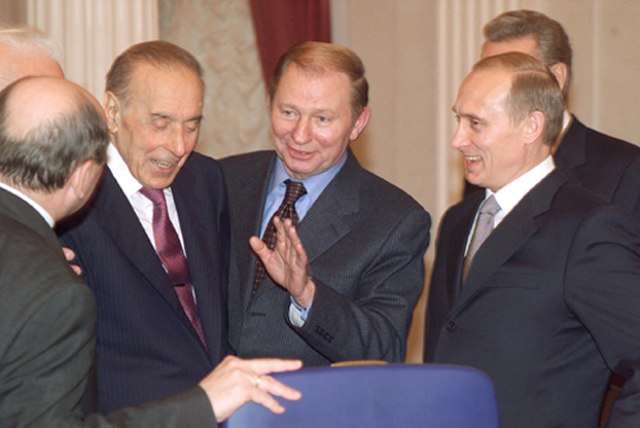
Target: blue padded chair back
point(389, 396)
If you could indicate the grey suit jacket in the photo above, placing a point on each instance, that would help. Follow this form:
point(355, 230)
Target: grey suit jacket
point(365, 240)
point(47, 337)
point(549, 308)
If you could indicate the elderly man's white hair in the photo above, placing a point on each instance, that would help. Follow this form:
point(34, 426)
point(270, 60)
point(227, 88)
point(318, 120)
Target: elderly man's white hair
point(29, 39)
point(19, 43)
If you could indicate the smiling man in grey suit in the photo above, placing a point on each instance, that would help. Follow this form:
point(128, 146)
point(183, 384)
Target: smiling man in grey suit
point(548, 304)
point(347, 289)
point(160, 330)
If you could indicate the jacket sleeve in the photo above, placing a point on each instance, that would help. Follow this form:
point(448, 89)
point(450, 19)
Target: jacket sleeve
point(603, 290)
point(374, 323)
point(47, 363)
point(190, 409)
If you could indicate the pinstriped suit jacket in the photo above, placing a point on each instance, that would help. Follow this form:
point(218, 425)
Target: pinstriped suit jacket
point(147, 348)
point(365, 239)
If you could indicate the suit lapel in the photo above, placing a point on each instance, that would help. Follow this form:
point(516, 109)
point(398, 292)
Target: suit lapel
point(516, 228)
point(200, 253)
point(327, 221)
point(457, 243)
point(116, 216)
point(254, 186)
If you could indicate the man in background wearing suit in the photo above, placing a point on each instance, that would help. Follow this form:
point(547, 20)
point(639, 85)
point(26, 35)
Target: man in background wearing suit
point(53, 140)
point(161, 318)
point(606, 166)
point(547, 305)
point(343, 283)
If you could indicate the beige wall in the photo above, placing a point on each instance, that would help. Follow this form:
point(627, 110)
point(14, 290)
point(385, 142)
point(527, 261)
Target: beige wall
point(417, 51)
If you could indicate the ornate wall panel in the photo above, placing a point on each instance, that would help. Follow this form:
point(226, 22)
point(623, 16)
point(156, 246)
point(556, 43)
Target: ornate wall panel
point(220, 34)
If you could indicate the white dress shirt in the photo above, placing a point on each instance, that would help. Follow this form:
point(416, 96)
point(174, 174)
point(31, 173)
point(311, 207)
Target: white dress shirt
point(509, 196)
point(142, 206)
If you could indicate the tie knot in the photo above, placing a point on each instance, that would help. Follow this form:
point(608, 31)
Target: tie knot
point(295, 190)
point(154, 195)
point(490, 206)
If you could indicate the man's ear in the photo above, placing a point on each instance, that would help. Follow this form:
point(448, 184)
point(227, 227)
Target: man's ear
point(533, 126)
point(112, 111)
point(84, 179)
point(360, 123)
point(561, 72)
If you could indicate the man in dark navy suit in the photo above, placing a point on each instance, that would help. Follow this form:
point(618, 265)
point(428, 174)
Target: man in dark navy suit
point(607, 166)
point(151, 341)
point(541, 291)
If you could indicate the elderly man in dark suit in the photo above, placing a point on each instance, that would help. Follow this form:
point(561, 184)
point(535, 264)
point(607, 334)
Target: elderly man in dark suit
point(341, 284)
point(547, 304)
point(153, 243)
point(53, 141)
point(605, 165)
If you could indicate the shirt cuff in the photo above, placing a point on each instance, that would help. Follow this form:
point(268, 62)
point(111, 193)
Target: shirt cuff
point(297, 314)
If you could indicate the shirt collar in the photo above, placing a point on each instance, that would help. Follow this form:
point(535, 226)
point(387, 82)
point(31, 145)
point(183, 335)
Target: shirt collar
point(121, 172)
point(36, 206)
point(314, 184)
point(509, 196)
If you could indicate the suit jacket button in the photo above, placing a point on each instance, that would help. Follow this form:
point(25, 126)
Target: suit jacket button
point(451, 326)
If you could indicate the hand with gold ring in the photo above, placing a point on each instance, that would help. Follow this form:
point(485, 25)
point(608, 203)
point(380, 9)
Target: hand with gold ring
point(257, 381)
point(235, 382)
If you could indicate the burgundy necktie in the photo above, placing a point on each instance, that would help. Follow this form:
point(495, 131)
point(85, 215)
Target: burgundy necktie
point(170, 252)
point(287, 209)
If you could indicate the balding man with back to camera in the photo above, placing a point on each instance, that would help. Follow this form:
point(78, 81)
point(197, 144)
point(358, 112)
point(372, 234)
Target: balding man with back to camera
point(53, 140)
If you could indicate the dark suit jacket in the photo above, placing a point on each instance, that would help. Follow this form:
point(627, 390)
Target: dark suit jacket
point(147, 348)
point(365, 239)
point(608, 167)
point(549, 308)
point(47, 336)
